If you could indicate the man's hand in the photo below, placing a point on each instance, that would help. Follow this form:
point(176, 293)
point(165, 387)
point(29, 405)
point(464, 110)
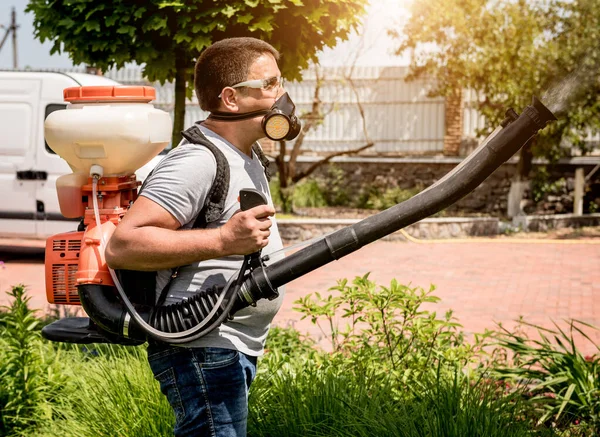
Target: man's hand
point(247, 231)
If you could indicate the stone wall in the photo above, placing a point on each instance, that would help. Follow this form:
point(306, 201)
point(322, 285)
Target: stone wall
point(559, 196)
point(297, 230)
point(490, 198)
point(294, 231)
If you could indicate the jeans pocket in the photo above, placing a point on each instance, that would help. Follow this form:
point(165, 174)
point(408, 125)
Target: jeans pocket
point(215, 357)
point(168, 386)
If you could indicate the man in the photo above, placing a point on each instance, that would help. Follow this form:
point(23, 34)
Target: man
point(207, 380)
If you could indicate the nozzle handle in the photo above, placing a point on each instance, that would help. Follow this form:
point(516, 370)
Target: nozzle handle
point(250, 197)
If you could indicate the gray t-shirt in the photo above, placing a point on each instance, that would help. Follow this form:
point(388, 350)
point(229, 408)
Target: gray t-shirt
point(180, 184)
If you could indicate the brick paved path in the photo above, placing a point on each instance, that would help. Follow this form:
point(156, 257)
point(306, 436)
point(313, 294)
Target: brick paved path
point(481, 282)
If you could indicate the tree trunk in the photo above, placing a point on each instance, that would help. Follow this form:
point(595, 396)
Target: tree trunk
point(285, 190)
point(521, 180)
point(180, 89)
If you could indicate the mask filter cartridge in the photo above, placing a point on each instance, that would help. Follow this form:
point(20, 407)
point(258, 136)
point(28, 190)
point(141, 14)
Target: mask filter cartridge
point(281, 123)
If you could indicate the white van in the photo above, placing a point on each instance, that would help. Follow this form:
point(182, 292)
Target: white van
point(28, 167)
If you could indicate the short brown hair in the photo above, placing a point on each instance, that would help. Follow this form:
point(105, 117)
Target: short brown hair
point(226, 63)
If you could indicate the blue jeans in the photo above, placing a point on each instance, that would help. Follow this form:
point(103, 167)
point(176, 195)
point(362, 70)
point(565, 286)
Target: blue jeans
point(206, 387)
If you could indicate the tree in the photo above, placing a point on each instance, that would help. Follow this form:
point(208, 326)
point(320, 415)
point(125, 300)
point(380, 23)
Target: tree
point(167, 36)
point(507, 50)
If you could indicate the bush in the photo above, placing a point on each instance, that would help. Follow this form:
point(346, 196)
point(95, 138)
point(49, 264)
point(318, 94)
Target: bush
point(396, 370)
point(308, 194)
point(386, 329)
point(542, 186)
point(384, 199)
point(30, 378)
point(335, 188)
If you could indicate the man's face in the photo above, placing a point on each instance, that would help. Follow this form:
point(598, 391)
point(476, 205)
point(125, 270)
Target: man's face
point(254, 99)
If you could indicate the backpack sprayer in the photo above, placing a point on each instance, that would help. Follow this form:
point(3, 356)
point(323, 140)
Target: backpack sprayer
point(120, 124)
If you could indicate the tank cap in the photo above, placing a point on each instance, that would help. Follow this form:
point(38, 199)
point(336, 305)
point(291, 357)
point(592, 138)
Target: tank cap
point(109, 94)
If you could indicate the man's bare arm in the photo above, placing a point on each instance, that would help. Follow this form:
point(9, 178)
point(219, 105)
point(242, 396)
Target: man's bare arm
point(148, 238)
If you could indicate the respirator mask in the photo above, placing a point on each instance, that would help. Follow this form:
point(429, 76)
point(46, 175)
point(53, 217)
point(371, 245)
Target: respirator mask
point(279, 122)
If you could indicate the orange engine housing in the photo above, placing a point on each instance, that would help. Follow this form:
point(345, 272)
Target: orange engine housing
point(62, 262)
point(75, 258)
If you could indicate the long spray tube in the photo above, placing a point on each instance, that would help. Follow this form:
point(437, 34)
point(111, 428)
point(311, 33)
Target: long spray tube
point(263, 282)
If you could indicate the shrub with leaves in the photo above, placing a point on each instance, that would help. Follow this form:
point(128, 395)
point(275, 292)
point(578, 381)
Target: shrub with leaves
point(564, 384)
point(383, 199)
point(386, 328)
point(29, 377)
point(287, 344)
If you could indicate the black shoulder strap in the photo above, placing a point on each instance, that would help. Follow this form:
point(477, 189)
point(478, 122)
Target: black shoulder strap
point(215, 200)
point(263, 159)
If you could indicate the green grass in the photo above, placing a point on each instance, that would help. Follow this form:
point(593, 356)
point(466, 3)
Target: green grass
point(320, 401)
point(113, 394)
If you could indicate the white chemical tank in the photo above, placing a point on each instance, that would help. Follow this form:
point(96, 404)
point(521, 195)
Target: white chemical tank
point(114, 127)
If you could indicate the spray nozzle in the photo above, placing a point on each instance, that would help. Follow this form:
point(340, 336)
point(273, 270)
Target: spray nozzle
point(96, 171)
point(545, 114)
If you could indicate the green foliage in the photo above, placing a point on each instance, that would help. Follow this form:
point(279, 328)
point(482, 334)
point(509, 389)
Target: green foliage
point(335, 187)
point(275, 189)
point(114, 394)
point(510, 50)
point(386, 328)
point(286, 344)
point(332, 190)
point(29, 378)
point(156, 33)
point(358, 390)
point(308, 194)
point(378, 199)
point(461, 404)
point(564, 384)
point(541, 185)
point(321, 400)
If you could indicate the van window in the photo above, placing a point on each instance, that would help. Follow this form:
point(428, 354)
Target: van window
point(16, 128)
point(49, 110)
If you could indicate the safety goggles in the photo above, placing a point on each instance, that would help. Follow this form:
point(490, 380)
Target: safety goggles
point(265, 84)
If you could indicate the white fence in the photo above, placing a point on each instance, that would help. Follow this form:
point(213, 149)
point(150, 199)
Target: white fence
point(400, 117)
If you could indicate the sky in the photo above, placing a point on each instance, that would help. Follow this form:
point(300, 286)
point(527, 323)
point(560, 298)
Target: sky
point(377, 46)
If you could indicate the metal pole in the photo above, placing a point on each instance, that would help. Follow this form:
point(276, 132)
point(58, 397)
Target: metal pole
point(13, 27)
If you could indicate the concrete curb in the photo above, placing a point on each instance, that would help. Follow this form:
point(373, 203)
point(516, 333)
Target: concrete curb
point(296, 230)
